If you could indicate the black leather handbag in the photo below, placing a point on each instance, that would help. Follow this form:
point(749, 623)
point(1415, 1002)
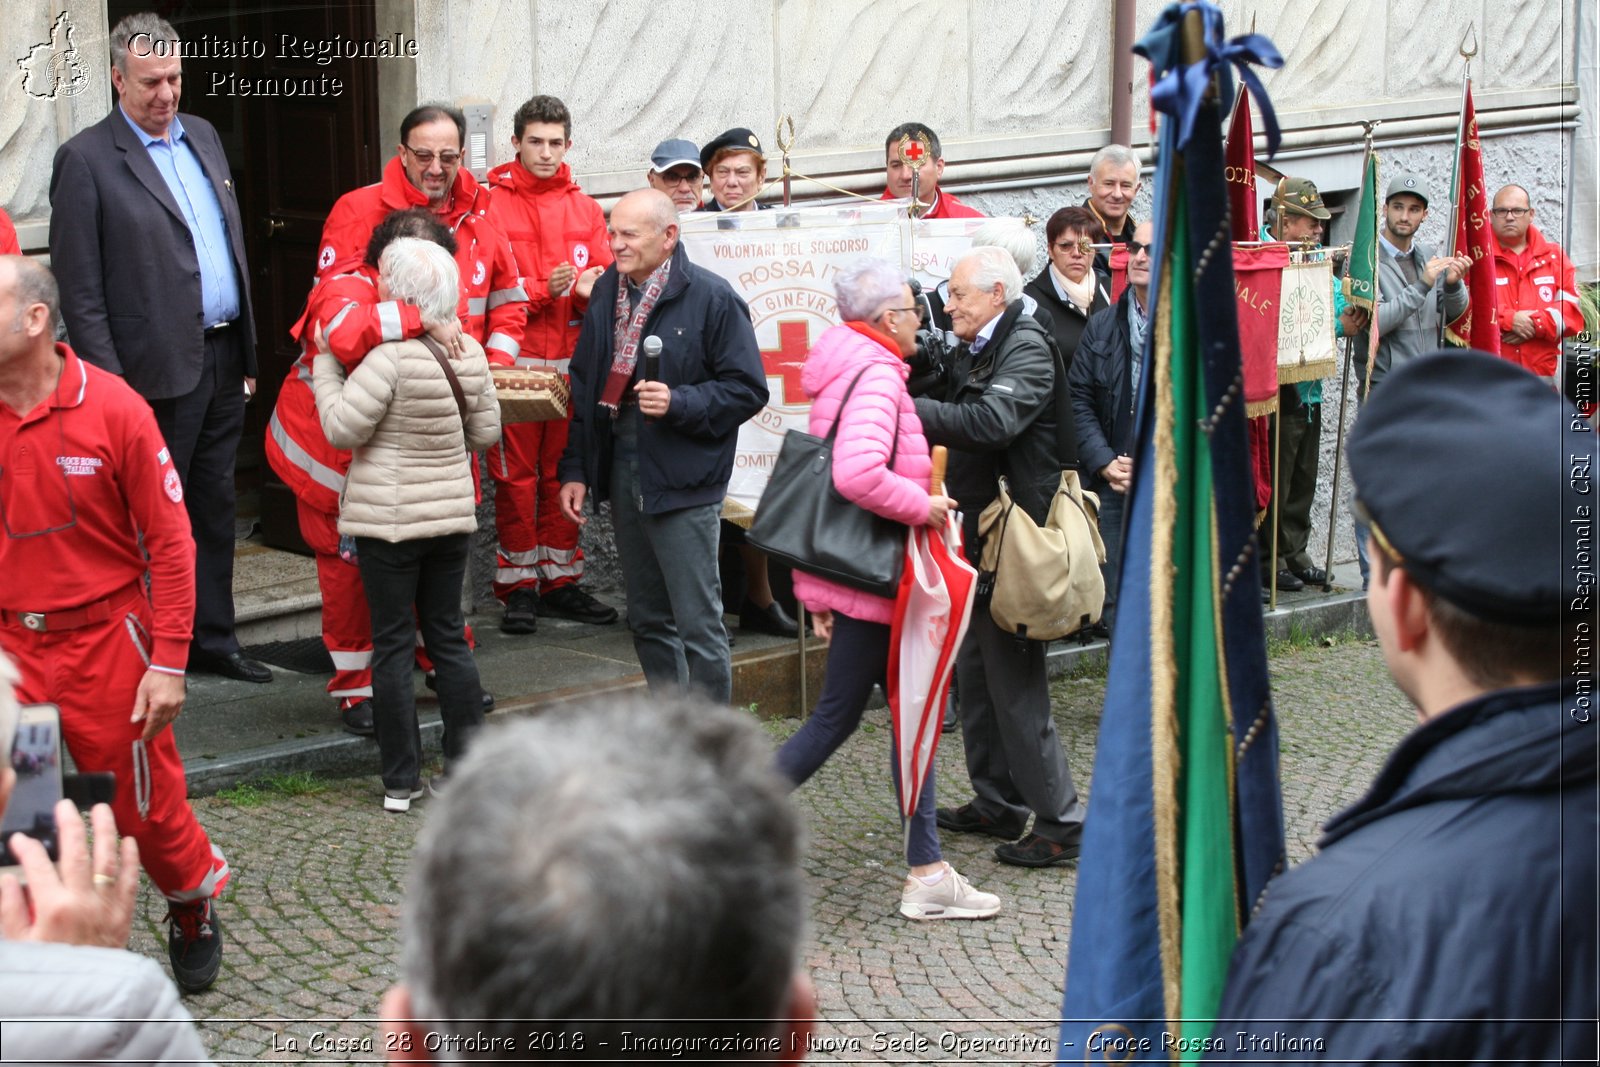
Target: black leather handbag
point(804, 522)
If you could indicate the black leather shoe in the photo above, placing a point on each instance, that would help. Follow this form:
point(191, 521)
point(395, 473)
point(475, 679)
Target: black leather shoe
point(1288, 583)
point(572, 602)
point(1036, 851)
point(234, 665)
point(771, 619)
point(968, 820)
point(357, 719)
point(1311, 575)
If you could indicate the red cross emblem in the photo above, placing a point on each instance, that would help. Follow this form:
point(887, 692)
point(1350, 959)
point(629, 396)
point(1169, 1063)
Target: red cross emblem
point(786, 361)
point(913, 151)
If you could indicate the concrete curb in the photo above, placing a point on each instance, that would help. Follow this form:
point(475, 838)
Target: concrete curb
point(766, 678)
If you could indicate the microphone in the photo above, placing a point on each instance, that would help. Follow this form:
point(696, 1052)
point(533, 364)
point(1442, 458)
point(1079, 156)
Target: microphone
point(652, 358)
point(652, 361)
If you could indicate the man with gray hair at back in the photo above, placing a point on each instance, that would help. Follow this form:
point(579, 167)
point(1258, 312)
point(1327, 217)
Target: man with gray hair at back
point(994, 404)
point(623, 880)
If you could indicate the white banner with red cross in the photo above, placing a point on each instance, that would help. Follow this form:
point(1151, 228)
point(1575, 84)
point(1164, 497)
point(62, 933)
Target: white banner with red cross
point(782, 263)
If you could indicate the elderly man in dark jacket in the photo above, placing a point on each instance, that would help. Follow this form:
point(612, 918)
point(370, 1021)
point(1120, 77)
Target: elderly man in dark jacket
point(1449, 916)
point(996, 407)
point(1105, 385)
point(660, 446)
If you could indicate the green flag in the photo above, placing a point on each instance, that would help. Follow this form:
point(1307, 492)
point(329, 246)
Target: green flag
point(1361, 283)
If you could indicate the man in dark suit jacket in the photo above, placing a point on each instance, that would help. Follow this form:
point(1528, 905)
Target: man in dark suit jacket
point(146, 241)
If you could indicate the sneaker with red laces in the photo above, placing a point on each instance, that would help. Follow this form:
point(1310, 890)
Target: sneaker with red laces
point(194, 944)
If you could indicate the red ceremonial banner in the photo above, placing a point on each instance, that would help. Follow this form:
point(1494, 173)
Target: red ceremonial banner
point(1119, 270)
point(1476, 328)
point(1257, 282)
point(1239, 169)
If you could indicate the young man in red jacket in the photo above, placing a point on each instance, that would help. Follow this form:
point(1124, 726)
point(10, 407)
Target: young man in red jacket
point(927, 160)
point(1537, 292)
point(558, 236)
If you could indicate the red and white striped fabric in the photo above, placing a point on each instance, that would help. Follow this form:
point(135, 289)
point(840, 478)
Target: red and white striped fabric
point(931, 613)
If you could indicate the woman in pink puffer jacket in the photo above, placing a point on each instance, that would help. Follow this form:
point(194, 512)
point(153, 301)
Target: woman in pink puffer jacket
point(866, 359)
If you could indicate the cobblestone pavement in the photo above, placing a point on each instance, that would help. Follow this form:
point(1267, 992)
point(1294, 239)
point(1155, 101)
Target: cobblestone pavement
point(311, 915)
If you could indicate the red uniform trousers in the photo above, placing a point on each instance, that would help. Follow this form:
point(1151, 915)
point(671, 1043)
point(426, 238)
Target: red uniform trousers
point(346, 622)
point(92, 674)
point(537, 545)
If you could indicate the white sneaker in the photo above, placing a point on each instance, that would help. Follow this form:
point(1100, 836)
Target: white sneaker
point(399, 800)
point(952, 897)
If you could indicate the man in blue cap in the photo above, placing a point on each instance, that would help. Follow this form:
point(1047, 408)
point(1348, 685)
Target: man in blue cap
point(1449, 915)
point(675, 170)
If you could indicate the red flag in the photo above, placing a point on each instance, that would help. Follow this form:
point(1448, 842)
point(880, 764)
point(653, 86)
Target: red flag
point(1476, 328)
point(1239, 158)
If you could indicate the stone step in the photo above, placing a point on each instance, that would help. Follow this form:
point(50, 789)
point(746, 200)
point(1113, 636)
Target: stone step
point(275, 596)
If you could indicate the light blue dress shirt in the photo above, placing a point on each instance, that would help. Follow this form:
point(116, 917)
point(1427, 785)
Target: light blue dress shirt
point(180, 167)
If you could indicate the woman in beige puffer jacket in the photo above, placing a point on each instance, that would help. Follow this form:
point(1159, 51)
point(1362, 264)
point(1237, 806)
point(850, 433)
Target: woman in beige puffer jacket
point(409, 503)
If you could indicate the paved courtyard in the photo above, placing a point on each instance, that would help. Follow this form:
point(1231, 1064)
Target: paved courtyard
point(319, 874)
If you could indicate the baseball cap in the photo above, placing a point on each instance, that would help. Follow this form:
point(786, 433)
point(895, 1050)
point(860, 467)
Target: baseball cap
point(1300, 196)
point(1407, 182)
point(1469, 467)
point(674, 153)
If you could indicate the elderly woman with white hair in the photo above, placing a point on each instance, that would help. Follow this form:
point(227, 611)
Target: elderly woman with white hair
point(856, 375)
point(413, 415)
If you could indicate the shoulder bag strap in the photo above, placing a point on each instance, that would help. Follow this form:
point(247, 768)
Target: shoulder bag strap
point(894, 445)
point(449, 373)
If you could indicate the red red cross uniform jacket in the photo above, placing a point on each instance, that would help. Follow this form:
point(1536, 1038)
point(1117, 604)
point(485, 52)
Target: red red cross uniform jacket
point(945, 206)
point(354, 321)
point(1539, 280)
point(549, 221)
point(86, 479)
point(494, 298)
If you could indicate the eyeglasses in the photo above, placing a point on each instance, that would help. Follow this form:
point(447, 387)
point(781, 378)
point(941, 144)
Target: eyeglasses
point(919, 310)
point(1510, 212)
point(426, 158)
point(1083, 246)
point(1135, 247)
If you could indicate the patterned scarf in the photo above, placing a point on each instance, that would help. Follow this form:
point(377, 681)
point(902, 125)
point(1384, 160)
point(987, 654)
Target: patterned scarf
point(625, 343)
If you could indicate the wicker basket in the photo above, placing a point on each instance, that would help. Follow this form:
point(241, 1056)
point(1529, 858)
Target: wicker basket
point(531, 395)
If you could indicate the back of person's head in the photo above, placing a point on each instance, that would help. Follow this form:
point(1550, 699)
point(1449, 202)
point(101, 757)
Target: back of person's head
point(1012, 235)
point(623, 867)
point(416, 222)
point(421, 273)
point(1476, 478)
